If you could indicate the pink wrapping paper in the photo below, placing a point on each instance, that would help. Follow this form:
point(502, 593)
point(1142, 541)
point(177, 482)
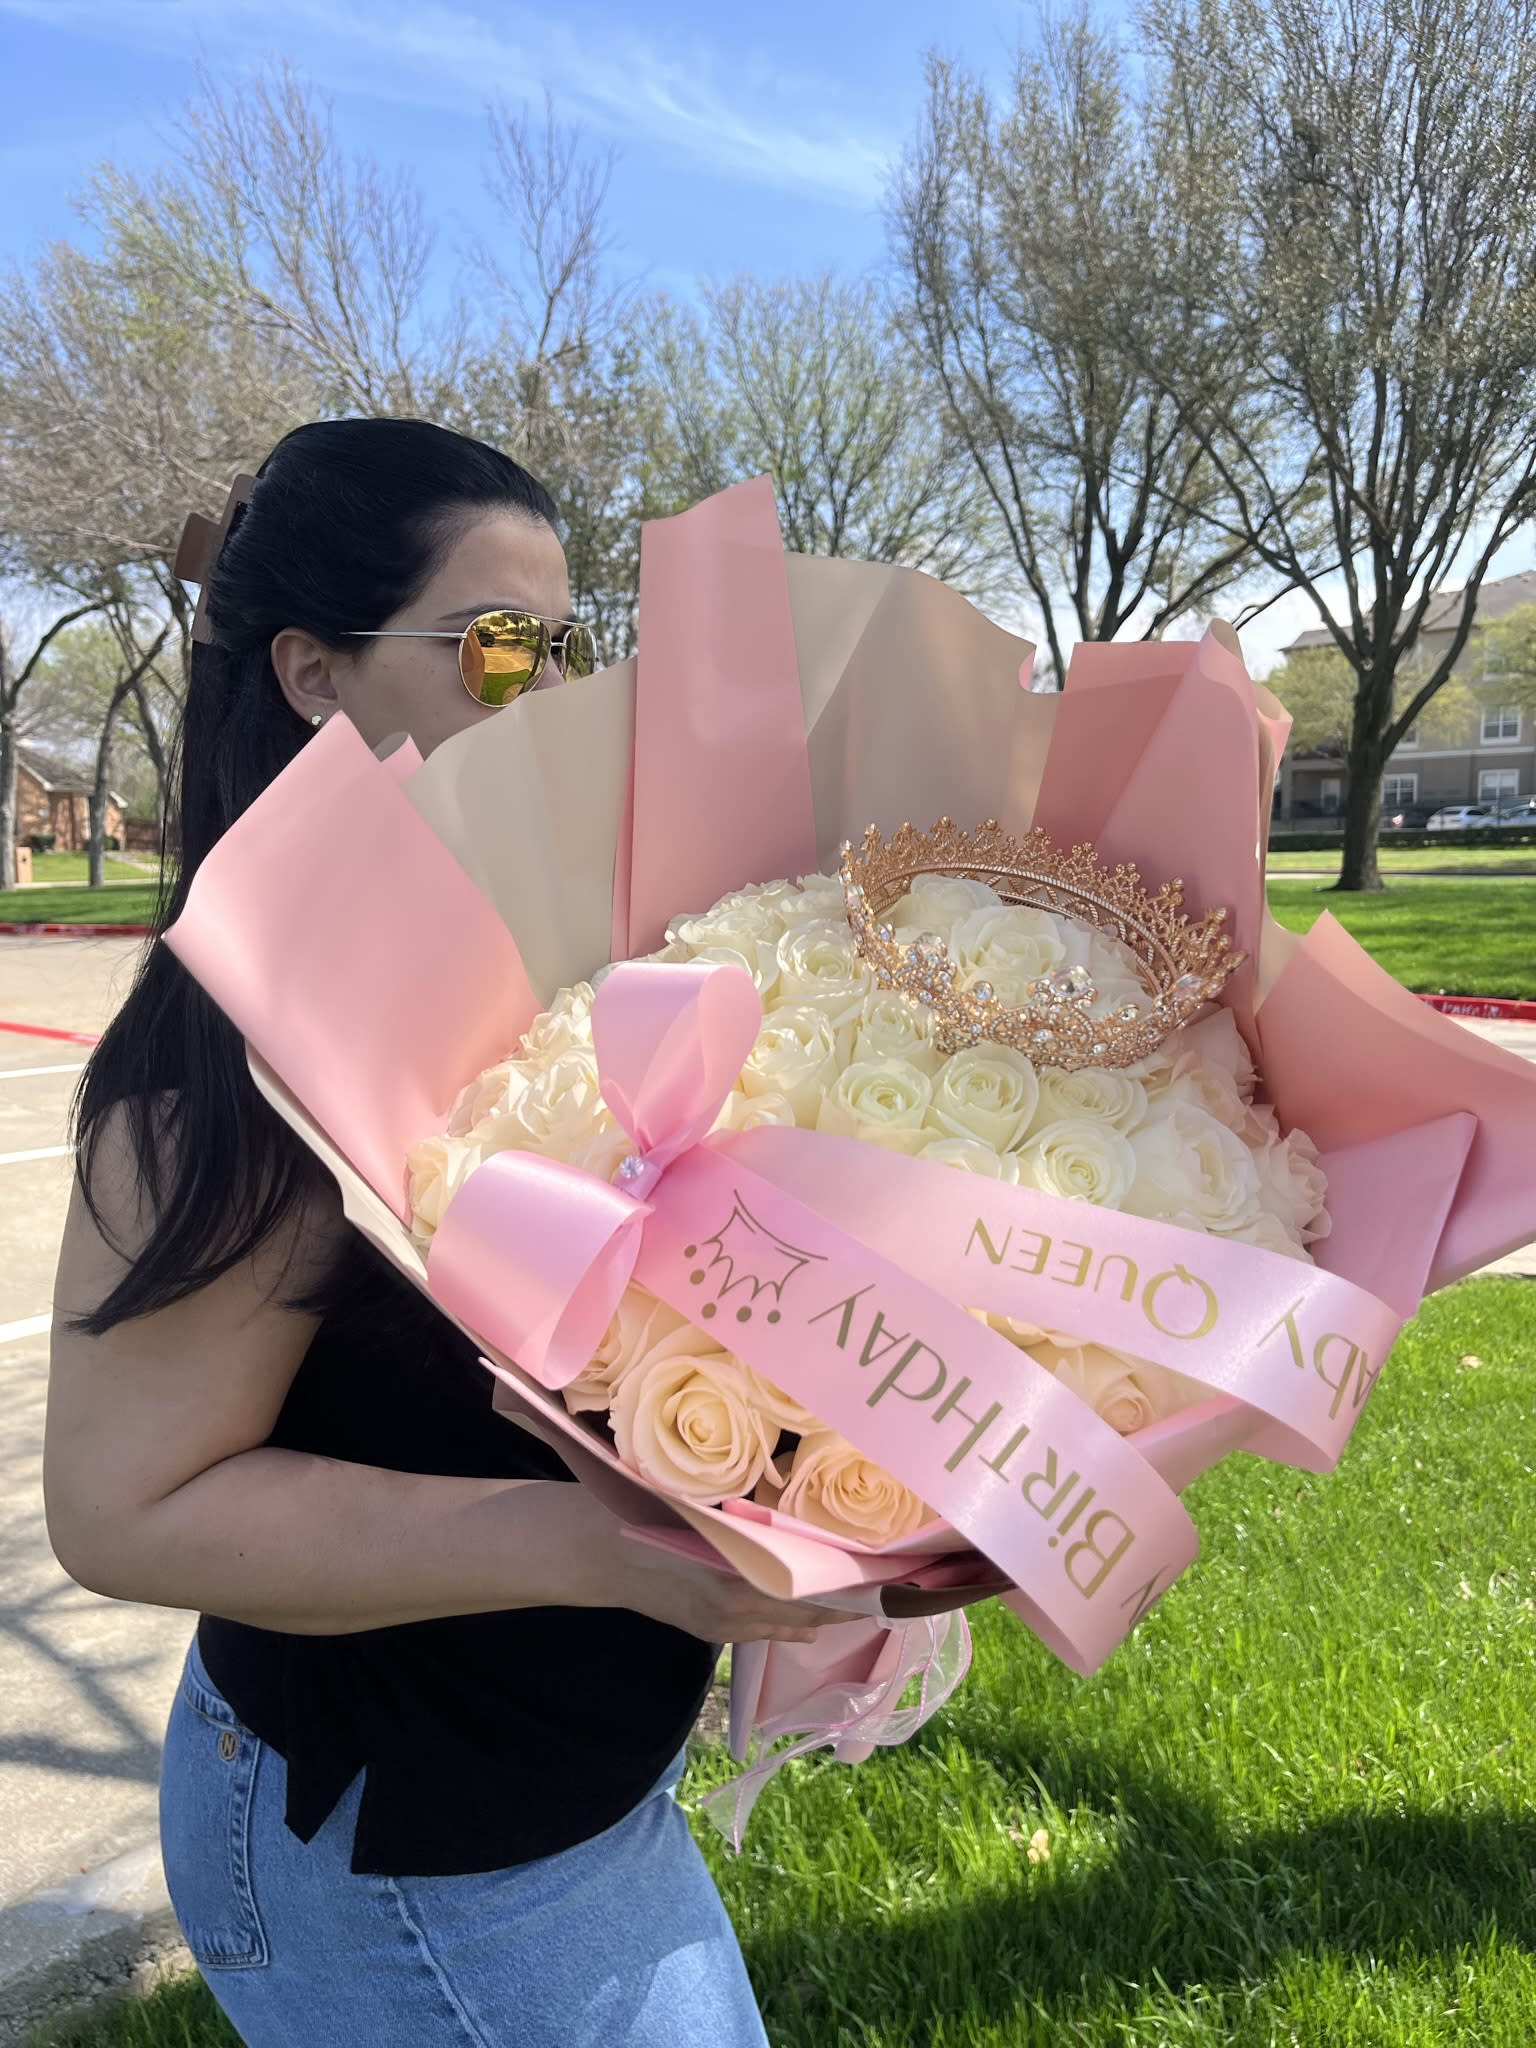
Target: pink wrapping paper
point(372, 980)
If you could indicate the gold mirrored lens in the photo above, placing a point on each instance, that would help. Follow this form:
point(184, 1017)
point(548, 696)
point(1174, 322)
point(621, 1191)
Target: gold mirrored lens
point(503, 654)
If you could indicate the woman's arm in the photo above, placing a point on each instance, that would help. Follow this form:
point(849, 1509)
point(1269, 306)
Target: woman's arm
point(159, 1488)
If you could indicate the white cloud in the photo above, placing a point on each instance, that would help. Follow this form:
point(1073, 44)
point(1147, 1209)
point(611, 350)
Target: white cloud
point(755, 123)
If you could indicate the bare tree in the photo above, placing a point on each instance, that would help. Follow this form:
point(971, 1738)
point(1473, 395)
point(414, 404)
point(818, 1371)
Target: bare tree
point(135, 662)
point(811, 380)
point(264, 221)
point(1017, 229)
point(1372, 260)
point(559, 383)
point(13, 680)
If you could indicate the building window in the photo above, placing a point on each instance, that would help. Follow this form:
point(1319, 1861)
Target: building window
point(1503, 724)
point(1397, 790)
point(1493, 783)
point(1331, 794)
point(1411, 737)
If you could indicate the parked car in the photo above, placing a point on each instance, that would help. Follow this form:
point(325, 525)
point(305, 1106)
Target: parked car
point(1411, 816)
point(1462, 818)
point(1520, 810)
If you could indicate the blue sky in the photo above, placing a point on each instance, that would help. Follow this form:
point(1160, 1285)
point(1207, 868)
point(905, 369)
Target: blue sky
point(754, 138)
point(749, 138)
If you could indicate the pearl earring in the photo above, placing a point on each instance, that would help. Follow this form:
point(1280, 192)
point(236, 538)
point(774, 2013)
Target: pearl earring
point(318, 719)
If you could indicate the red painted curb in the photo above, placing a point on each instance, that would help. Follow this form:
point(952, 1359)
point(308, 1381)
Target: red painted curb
point(1507, 1009)
point(48, 1031)
point(76, 931)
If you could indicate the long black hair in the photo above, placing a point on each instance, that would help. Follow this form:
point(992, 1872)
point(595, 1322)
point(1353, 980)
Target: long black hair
point(347, 522)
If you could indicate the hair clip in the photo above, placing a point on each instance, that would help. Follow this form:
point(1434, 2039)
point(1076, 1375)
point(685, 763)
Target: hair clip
point(201, 544)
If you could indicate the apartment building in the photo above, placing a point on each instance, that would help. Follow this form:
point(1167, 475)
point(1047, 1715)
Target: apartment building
point(1490, 758)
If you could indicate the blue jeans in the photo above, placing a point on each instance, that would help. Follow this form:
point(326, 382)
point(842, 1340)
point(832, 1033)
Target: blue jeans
point(621, 1941)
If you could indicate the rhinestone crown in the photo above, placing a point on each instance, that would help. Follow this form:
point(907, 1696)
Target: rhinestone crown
point(1181, 964)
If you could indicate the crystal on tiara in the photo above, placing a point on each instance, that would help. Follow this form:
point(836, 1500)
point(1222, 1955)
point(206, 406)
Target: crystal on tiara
point(1183, 963)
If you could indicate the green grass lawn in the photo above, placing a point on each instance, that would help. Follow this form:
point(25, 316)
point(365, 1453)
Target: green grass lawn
point(54, 869)
point(1296, 1810)
point(74, 903)
point(1475, 936)
point(1407, 860)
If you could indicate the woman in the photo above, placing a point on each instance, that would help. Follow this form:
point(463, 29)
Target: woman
point(418, 1781)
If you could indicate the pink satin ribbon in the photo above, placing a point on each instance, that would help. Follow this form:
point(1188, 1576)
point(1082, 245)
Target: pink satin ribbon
point(1298, 1344)
point(865, 1329)
point(853, 1718)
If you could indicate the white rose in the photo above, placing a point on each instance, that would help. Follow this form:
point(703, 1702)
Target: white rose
point(815, 900)
point(835, 1487)
point(1293, 1187)
point(560, 1111)
point(601, 1151)
point(435, 1171)
point(972, 1156)
point(642, 1328)
point(1217, 1042)
point(1127, 1393)
point(739, 923)
point(566, 1023)
point(1009, 946)
point(1097, 1093)
point(892, 1027)
point(1191, 1168)
point(795, 1056)
point(988, 1092)
point(1082, 1160)
point(935, 902)
point(819, 964)
point(1110, 966)
point(762, 964)
point(882, 1102)
point(489, 1095)
point(781, 1409)
point(1205, 1087)
point(689, 1425)
point(1269, 1234)
point(743, 1112)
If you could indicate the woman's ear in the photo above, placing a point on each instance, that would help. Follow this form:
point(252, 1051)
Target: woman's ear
point(305, 669)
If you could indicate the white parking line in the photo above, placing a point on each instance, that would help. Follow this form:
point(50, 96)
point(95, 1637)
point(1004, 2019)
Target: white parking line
point(29, 1326)
point(33, 1073)
point(40, 1152)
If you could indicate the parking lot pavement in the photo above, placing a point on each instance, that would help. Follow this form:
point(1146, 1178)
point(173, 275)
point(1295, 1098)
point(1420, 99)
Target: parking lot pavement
point(85, 1683)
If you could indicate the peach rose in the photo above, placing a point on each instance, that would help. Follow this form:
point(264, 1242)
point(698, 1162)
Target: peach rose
point(690, 1425)
point(835, 1487)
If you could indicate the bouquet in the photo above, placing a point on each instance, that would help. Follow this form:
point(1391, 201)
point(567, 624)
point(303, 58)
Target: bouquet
point(910, 1229)
point(1176, 1134)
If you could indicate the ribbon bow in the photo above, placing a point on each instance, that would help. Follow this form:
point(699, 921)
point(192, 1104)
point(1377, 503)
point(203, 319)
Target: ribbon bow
point(536, 1254)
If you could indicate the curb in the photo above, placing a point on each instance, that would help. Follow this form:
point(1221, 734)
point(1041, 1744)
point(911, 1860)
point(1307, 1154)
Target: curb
point(64, 1952)
point(1506, 1009)
point(50, 1031)
point(76, 931)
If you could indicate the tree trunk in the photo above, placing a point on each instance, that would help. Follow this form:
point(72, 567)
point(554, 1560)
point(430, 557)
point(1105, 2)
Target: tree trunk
point(8, 762)
point(7, 786)
point(96, 846)
point(1362, 804)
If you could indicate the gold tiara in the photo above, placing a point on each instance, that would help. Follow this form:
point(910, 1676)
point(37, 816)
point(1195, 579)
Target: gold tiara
point(1181, 964)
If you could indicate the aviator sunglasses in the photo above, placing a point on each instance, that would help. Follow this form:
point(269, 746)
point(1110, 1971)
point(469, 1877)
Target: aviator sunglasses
point(503, 654)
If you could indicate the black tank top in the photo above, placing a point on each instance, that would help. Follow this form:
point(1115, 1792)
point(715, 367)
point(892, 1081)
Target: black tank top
point(485, 1740)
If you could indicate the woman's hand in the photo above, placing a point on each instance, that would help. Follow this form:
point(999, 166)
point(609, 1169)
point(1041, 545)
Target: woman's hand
point(708, 1602)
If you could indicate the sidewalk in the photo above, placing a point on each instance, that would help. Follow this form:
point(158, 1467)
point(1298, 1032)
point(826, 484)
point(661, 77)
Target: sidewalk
point(86, 1683)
